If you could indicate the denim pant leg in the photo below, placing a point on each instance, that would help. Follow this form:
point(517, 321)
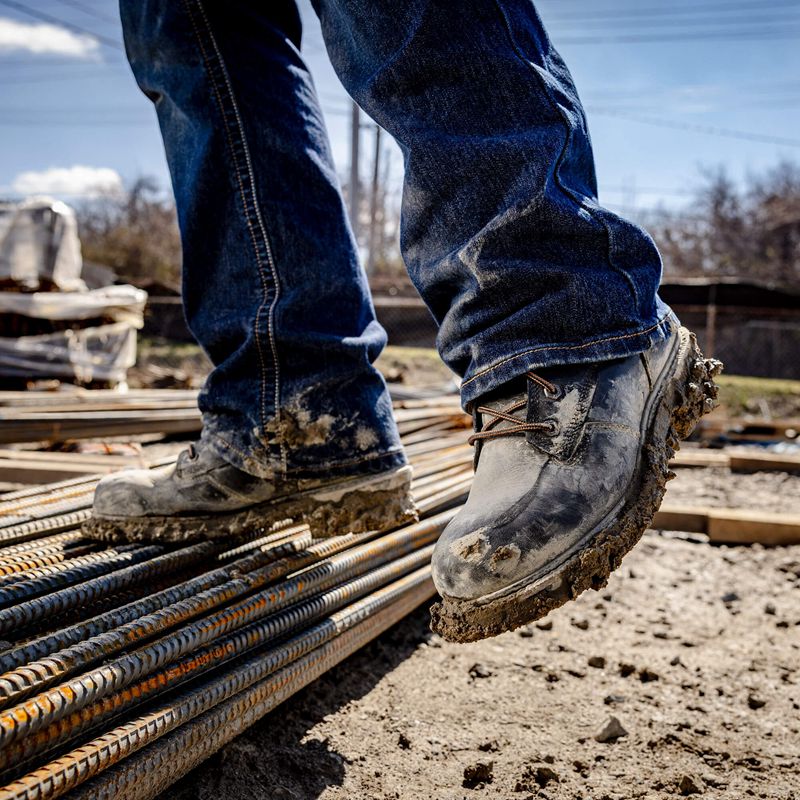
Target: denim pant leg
point(502, 232)
point(272, 286)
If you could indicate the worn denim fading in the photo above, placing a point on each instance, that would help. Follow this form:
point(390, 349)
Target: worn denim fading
point(501, 231)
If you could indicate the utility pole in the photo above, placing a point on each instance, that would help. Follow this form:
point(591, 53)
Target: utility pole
point(355, 136)
point(373, 203)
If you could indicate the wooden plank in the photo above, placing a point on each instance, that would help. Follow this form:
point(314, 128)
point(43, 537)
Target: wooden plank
point(36, 472)
point(700, 458)
point(736, 526)
point(751, 462)
point(731, 525)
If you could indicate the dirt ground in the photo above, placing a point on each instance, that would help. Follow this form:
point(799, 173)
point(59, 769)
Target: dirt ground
point(693, 648)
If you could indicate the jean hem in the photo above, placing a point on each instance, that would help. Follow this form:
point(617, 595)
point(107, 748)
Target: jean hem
point(260, 467)
point(606, 348)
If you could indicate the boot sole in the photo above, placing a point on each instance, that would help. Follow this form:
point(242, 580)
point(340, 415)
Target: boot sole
point(688, 393)
point(356, 505)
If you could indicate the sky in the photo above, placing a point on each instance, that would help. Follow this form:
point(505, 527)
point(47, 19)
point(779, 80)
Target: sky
point(670, 88)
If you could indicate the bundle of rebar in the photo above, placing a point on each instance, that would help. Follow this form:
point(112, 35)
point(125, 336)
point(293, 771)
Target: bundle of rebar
point(124, 667)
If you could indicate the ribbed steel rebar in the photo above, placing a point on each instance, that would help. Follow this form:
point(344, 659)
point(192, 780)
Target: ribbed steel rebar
point(169, 608)
point(24, 614)
point(54, 704)
point(217, 619)
point(198, 662)
point(239, 696)
point(21, 586)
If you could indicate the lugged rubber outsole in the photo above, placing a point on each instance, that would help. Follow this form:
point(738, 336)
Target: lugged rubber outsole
point(353, 505)
point(689, 393)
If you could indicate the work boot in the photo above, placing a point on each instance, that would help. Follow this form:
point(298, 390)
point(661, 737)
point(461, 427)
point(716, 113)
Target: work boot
point(204, 497)
point(571, 466)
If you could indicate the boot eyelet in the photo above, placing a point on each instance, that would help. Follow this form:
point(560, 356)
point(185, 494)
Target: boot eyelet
point(556, 395)
point(554, 427)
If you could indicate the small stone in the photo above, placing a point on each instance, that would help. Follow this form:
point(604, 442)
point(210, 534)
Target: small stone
point(647, 675)
point(479, 773)
point(492, 746)
point(730, 597)
point(611, 731)
point(581, 624)
point(626, 669)
point(688, 784)
point(755, 702)
point(676, 662)
point(403, 742)
point(581, 767)
point(545, 625)
point(480, 671)
point(613, 699)
point(598, 662)
point(525, 633)
point(770, 609)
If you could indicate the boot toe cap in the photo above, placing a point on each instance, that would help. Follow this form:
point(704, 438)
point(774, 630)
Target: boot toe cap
point(122, 494)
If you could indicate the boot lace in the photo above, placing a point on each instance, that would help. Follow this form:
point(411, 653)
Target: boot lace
point(507, 415)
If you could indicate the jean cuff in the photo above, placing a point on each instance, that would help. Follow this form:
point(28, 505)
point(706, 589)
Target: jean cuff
point(603, 348)
point(254, 459)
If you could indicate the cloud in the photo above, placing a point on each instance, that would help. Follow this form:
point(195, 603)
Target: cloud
point(76, 180)
point(42, 38)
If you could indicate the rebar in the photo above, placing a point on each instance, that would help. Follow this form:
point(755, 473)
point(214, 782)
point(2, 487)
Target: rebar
point(209, 636)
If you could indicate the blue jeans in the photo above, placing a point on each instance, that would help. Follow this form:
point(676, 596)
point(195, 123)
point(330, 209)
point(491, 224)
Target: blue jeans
point(502, 233)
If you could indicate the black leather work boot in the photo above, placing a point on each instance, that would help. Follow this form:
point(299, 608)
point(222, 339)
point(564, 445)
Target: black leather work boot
point(571, 467)
point(204, 497)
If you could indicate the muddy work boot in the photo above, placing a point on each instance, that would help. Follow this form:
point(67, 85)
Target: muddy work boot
point(571, 467)
point(204, 497)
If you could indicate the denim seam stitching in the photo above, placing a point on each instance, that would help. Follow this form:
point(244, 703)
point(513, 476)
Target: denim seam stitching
point(574, 196)
point(251, 209)
point(591, 343)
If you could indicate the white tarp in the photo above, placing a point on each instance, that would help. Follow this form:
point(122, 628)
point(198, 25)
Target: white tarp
point(39, 242)
point(102, 353)
point(120, 303)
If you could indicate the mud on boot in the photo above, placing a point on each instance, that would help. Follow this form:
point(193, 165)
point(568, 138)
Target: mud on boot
point(570, 470)
point(204, 497)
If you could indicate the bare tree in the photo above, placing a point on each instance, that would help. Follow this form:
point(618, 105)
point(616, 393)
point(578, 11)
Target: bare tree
point(748, 231)
point(135, 233)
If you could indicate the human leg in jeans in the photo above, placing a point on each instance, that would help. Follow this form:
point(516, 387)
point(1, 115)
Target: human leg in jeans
point(296, 420)
point(579, 378)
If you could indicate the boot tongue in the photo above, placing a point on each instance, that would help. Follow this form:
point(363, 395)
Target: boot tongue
point(568, 408)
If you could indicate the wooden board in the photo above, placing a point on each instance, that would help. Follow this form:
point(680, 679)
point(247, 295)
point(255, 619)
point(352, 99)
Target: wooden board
point(729, 525)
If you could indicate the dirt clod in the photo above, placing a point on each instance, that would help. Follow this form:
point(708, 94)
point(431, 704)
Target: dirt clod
point(478, 774)
point(689, 784)
point(480, 671)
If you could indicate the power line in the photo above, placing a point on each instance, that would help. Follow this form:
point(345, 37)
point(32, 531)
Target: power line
point(747, 33)
point(89, 11)
point(671, 10)
point(53, 20)
point(711, 130)
point(693, 24)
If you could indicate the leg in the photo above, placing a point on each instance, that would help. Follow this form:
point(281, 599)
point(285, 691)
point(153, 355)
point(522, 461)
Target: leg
point(272, 288)
point(502, 232)
point(506, 242)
